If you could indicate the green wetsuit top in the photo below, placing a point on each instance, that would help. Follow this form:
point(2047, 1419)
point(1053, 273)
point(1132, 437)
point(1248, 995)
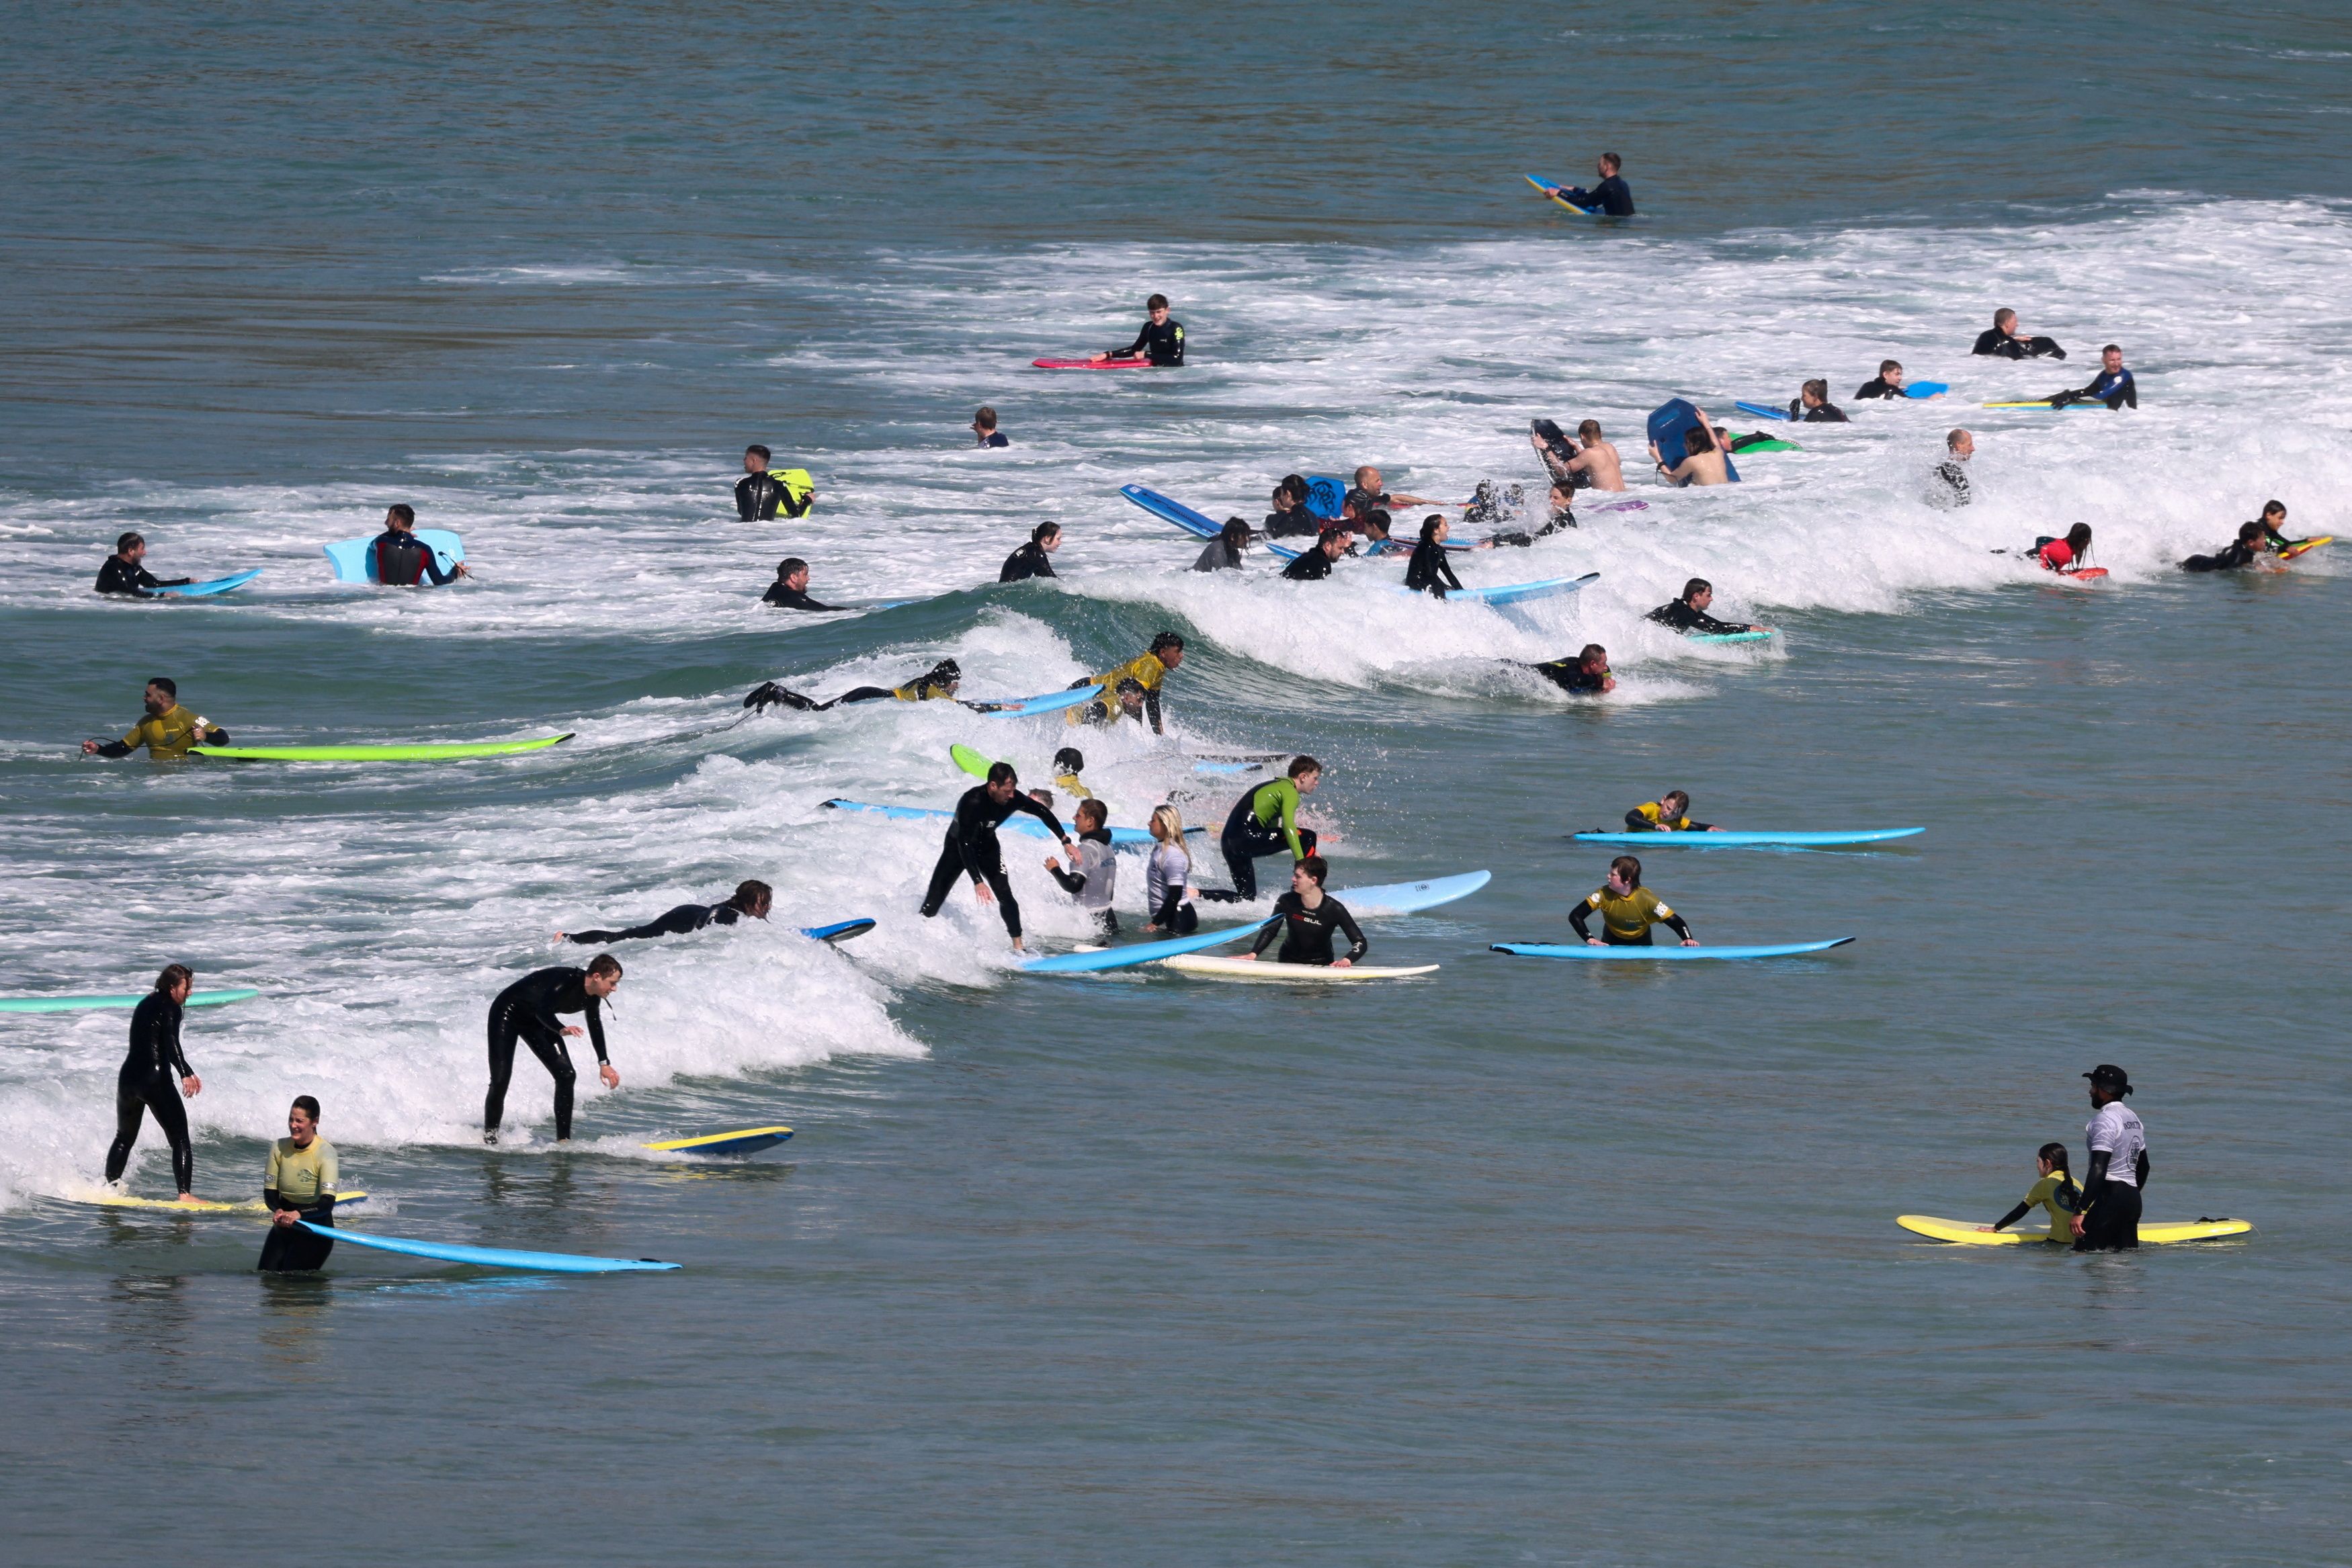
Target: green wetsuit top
point(1275, 801)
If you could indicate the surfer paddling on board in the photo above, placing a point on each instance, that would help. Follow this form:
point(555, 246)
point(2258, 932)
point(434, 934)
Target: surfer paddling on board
point(790, 591)
point(762, 496)
point(1161, 342)
point(2108, 1219)
point(1688, 614)
point(155, 1076)
point(1702, 461)
point(1305, 918)
point(298, 1182)
point(1148, 669)
point(1669, 813)
point(971, 848)
point(1264, 821)
point(529, 1010)
point(121, 573)
point(404, 560)
point(2004, 338)
point(939, 683)
point(167, 731)
point(2113, 385)
point(1627, 911)
point(751, 900)
point(2243, 551)
point(2274, 520)
point(2066, 556)
point(1586, 672)
point(2053, 1192)
point(1610, 196)
point(1032, 558)
point(1952, 472)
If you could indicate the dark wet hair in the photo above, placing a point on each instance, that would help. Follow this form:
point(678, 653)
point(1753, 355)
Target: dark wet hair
point(166, 684)
point(1818, 388)
point(1590, 429)
point(1043, 532)
point(1157, 302)
point(750, 895)
point(1696, 585)
point(2111, 348)
point(2003, 314)
point(605, 963)
point(1166, 640)
point(761, 452)
point(1591, 649)
point(405, 512)
point(1235, 534)
point(309, 1105)
point(1698, 439)
point(2268, 507)
point(1428, 526)
point(944, 674)
point(986, 418)
point(2078, 537)
point(1128, 684)
point(1676, 795)
point(132, 541)
point(1629, 868)
point(2056, 1154)
point(2251, 533)
point(1002, 773)
point(1887, 365)
point(172, 975)
point(788, 565)
point(1071, 758)
point(1614, 163)
point(1315, 866)
point(1302, 765)
point(1378, 518)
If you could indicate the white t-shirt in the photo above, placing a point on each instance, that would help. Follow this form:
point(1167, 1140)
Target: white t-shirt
point(2116, 1128)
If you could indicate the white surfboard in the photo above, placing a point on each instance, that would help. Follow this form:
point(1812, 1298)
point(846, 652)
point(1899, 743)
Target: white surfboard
point(1267, 971)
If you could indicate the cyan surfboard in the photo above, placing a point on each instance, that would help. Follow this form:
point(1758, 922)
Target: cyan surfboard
point(354, 562)
point(1664, 950)
point(76, 1004)
point(212, 586)
point(1730, 839)
point(1175, 512)
point(492, 1257)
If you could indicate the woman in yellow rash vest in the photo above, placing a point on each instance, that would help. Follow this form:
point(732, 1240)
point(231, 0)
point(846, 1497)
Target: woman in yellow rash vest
point(299, 1184)
point(1627, 909)
point(2055, 1194)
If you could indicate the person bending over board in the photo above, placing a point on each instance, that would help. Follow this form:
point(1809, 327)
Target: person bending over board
point(2053, 1192)
point(761, 497)
point(1314, 564)
point(971, 848)
point(1093, 876)
point(1951, 487)
point(983, 429)
point(939, 683)
point(1161, 342)
point(1305, 918)
point(1264, 821)
point(529, 1010)
point(1367, 492)
point(1702, 462)
point(404, 560)
point(750, 900)
point(2005, 339)
point(1031, 560)
point(1148, 669)
point(1812, 405)
point(2113, 385)
point(1166, 877)
point(790, 591)
point(1612, 195)
point(1669, 813)
point(1688, 614)
point(155, 1076)
point(167, 731)
point(2243, 551)
point(1428, 572)
point(121, 573)
point(1227, 550)
point(2108, 1218)
point(1586, 672)
point(1627, 911)
point(298, 1182)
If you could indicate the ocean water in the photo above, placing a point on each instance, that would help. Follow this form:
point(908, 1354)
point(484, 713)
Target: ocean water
point(1523, 1261)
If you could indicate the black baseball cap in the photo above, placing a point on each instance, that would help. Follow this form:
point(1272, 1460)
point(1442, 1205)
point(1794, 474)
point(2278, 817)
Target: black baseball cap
point(2107, 1076)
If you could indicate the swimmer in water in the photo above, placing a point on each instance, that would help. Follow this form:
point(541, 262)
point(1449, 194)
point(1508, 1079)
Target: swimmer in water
point(1952, 472)
point(1812, 405)
point(2006, 339)
point(1314, 564)
point(1888, 384)
point(1305, 918)
point(1032, 558)
point(155, 1076)
point(122, 574)
point(762, 496)
point(1068, 763)
point(1627, 911)
point(790, 591)
point(749, 901)
point(167, 732)
point(971, 848)
point(1167, 873)
point(2068, 555)
point(529, 1010)
point(1103, 713)
point(1290, 517)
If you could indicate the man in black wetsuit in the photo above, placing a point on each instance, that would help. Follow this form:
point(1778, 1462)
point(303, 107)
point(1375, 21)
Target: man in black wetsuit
point(971, 849)
point(1952, 472)
point(2112, 386)
point(1032, 559)
point(1305, 917)
point(2003, 339)
point(1612, 195)
point(1588, 672)
point(760, 495)
point(1688, 614)
point(790, 591)
point(527, 1011)
point(404, 560)
point(2243, 551)
point(155, 1076)
point(1314, 565)
point(1161, 341)
point(122, 573)
point(937, 684)
point(1813, 405)
point(984, 431)
point(751, 900)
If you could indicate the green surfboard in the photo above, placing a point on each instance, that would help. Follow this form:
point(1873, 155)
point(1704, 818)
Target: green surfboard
point(431, 751)
point(970, 761)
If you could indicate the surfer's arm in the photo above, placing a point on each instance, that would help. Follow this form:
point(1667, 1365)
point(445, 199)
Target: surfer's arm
point(1676, 923)
point(2012, 1217)
point(1581, 917)
point(1045, 815)
point(596, 1031)
point(1356, 943)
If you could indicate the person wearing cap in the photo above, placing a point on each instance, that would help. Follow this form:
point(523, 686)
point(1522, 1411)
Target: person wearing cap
point(2108, 1219)
point(790, 591)
point(984, 431)
point(1148, 669)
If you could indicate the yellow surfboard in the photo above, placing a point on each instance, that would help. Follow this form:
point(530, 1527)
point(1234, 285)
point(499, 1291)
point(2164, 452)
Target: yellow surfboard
point(200, 1205)
point(744, 1141)
point(2304, 547)
point(2152, 1233)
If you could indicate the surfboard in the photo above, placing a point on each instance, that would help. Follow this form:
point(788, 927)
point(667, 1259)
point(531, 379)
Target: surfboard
point(433, 751)
point(1021, 822)
point(492, 1257)
point(2156, 1233)
point(2088, 574)
point(1762, 411)
point(1773, 446)
point(839, 931)
point(1175, 512)
point(2304, 547)
point(1266, 971)
point(1026, 707)
point(1515, 592)
point(1325, 497)
point(201, 1206)
point(1926, 389)
point(1092, 364)
point(1201, 766)
point(1091, 961)
point(748, 1140)
point(354, 562)
point(1624, 506)
point(1553, 950)
point(970, 761)
point(211, 586)
point(1409, 898)
point(1729, 840)
point(1552, 194)
point(125, 1000)
point(2043, 403)
point(1731, 637)
point(1670, 422)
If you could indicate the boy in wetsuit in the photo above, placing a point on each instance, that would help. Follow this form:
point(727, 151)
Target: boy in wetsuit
point(984, 431)
point(971, 848)
point(790, 591)
point(1627, 910)
point(1669, 813)
point(1888, 384)
point(2004, 339)
point(2113, 385)
point(2239, 553)
point(167, 731)
point(298, 1182)
point(529, 1011)
point(1305, 917)
point(121, 573)
point(751, 900)
point(1161, 342)
point(1688, 614)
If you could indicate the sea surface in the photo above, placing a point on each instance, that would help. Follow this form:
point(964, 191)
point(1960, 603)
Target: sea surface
point(1523, 1261)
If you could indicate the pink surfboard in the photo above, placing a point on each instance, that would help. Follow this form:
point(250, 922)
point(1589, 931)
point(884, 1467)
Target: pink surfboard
point(1092, 364)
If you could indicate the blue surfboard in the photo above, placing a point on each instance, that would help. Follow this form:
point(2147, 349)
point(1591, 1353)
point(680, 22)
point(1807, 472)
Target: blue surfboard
point(1409, 897)
point(1551, 950)
point(1729, 840)
point(214, 585)
point(1515, 593)
point(839, 931)
point(1325, 497)
point(492, 1257)
point(1175, 512)
point(354, 562)
point(1137, 952)
point(1021, 822)
point(1673, 419)
point(1550, 189)
point(1761, 409)
point(1025, 708)
point(1925, 388)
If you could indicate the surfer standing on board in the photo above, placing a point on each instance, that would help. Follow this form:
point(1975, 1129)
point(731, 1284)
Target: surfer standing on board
point(1161, 341)
point(528, 1012)
point(971, 849)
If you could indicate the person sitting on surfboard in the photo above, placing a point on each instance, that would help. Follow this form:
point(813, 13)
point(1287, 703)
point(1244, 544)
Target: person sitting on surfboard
point(940, 682)
point(1669, 813)
point(1314, 565)
point(2113, 385)
point(2053, 1192)
point(121, 573)
point(1148, 669)
point(1291, 517)
point(2248, 548)
point(751, 900)
point(1703, 462)
point(1588, 672)
point(1428, 572)
point(1305, 917)
point(1031, 560)
point(1952, 472)
point(1610, 196)
point(529, 1011)
point(1161, 342)
point(404, 560)
point(1093, 876)
point(761, 497)
point(790, 591)
point(1627, 909)
point(1888, 384)
point(155, 1076)
point(1265, 820)
point(297, 1182)
point(2004, 339)
point(1688, 614)
point(167, 731)
point(2068, 555)
point(971, 849)
point(1812, 405)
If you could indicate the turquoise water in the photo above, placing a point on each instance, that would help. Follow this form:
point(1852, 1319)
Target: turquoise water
point(1526, 1262)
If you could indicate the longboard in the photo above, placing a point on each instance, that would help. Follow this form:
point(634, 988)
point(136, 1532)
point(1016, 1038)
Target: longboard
point(1266, 971)
point(1175, 512)
point(352, 561)
point(1091, 961)
point(1410, 897)
point(214, 585)
point(428, 752)
point(1092, 364)
point(1552, 950)
point(1515, 592)
point(201, 1206)
point(1731, 637)
point(491, 1257)
point(748, 1141)
point(2155, 1233)
point(76, 1004)
point(1729, 839)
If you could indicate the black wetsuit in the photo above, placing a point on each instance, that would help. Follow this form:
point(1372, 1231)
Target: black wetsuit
point(762, 496)
point(2116, 391)
point(1568, 674)
point(1613, 196)
point(1313, 565)
point(2110, 1209)
point(1428, 572)
point(1683, 618)
point(404, 560)
point(1306, 933)
point(149, 1080)
point(1878, 386)
point(1029, 560)
point(790, 597)
point(995, 438)
point(1955, 475)
point(1162, 343)
point(116, 575)
point(2232, 556)
point(676, 922)
point(2009, 346)
point(526, 1011)
point(971, 849)
point(1827, 413)
point(1560, 519)
point(1296, 521)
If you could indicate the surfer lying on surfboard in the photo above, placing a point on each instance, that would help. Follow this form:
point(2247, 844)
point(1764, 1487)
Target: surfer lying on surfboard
point(2246, 551)
point(1587, 671)
point(1688, 614)
point(1669, 813)
point(168, 730)
point(750, 898)
point(937, 684)
point(1305, 918)
point(1627, 909)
